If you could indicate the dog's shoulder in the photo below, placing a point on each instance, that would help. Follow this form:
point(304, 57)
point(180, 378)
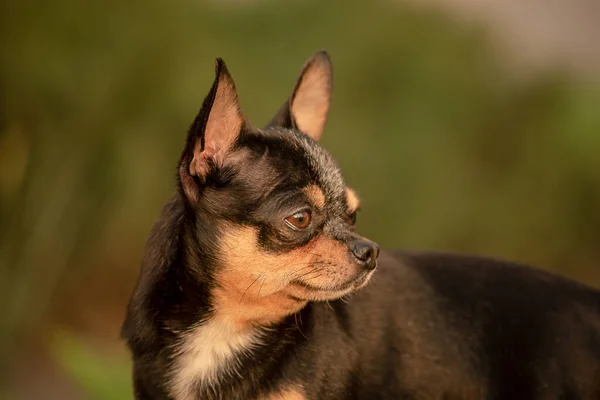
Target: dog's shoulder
point(508, 303)
point(455, 274)
point(472, 314)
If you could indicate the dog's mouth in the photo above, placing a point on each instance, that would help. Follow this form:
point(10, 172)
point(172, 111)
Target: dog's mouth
point(354, 283)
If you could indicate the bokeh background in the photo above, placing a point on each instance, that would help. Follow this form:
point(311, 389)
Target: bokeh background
point(464, 125)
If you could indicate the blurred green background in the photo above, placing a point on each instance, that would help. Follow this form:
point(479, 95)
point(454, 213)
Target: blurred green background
point(449, 144)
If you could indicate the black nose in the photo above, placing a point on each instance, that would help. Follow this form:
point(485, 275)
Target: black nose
point(365, 252)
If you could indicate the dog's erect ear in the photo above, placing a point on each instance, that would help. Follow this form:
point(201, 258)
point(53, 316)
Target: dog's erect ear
point(213, 133)
point(307, 107)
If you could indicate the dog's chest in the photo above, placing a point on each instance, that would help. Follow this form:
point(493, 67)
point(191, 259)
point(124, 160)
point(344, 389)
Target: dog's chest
point(206, 354)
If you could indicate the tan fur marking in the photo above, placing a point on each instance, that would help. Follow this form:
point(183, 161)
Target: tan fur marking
point(312, 97)
point(258, 288)
point(293, 393)
point(352, 199)
point(315, 195)
point(255, 289)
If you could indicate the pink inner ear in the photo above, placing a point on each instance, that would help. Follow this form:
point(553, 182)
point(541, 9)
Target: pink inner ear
point(199, 164)
point(312, 97)
point(224, 123)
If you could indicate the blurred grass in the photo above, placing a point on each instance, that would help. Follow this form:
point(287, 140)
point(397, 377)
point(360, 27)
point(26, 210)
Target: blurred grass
point(99, 377)
point(446, 148)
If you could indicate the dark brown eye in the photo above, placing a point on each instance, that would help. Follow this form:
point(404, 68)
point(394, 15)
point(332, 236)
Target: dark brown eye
point(299, 221)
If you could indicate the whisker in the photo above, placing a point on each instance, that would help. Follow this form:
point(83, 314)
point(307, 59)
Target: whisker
point(261, 285)
point(328, 304)
point(253, 282)
point(298, 326)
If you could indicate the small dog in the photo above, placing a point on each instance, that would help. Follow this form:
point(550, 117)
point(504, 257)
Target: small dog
point(243, 292)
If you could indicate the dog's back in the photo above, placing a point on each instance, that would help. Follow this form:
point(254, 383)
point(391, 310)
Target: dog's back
point(432, 325)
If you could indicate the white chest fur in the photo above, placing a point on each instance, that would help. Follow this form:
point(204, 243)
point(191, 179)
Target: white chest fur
point(206, 353)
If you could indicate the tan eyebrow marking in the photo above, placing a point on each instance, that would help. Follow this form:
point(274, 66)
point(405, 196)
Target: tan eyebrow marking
point(352, 200)
point(315, 195)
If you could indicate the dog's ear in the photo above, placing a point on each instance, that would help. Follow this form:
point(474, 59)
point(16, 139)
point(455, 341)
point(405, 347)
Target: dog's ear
point(307, 107)
point(213, 133)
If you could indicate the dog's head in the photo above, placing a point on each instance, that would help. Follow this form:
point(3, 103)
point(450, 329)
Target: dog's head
point(274, 220)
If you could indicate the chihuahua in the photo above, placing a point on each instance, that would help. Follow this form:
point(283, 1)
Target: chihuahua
point(255, 285)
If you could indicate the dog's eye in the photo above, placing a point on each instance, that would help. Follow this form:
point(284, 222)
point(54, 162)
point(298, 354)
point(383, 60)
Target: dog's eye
point(352, 217)
point(299, 221)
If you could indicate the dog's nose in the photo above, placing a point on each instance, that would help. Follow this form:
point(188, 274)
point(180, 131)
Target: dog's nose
point(365, 252)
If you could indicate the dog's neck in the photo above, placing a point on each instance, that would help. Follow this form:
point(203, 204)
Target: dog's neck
point(219, 353)
point(236, 323)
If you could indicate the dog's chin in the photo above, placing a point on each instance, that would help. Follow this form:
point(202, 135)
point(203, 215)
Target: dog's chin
point(309, 292)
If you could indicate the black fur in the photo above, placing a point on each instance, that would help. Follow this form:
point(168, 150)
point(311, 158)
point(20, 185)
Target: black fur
point(427, 326)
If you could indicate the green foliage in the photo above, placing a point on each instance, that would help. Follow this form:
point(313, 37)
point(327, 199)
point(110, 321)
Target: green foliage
point(100, 378)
